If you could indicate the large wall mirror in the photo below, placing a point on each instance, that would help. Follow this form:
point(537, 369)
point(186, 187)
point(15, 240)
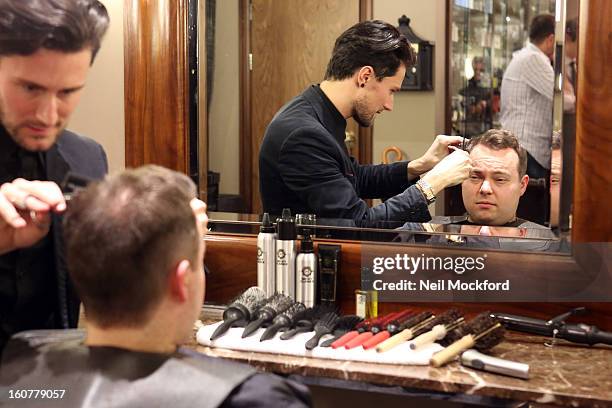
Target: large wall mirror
point(260, 54)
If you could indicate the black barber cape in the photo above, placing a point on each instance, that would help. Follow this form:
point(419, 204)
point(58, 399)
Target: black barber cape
point(305, 166)
point(111, 377)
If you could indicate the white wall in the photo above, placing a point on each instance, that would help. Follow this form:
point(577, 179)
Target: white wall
point(417, 116)
point(100, 114)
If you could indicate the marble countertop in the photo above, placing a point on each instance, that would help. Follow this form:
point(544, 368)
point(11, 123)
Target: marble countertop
point(563, 375)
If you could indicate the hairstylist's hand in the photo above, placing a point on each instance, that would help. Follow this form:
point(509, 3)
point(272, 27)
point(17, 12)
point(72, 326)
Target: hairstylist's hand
point(25, 208)
point(450, 171)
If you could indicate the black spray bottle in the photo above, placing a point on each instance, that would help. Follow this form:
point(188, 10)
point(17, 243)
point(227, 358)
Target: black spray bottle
point(306, 272)
point(286, 233)
point(266, 252)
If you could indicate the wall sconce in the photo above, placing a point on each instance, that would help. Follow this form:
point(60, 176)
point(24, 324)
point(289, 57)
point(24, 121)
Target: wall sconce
point(420, 76)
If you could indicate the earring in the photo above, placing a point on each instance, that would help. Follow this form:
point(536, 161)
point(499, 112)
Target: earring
point(362, 85)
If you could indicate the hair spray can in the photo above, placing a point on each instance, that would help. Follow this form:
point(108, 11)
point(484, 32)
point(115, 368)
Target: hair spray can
point(286, 233)
point(266, 250)
point(306, 272)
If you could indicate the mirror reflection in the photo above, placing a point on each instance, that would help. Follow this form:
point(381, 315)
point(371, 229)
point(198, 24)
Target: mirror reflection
point(500, 157)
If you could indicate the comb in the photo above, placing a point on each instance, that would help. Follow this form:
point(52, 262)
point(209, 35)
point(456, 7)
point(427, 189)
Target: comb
point(324, 326)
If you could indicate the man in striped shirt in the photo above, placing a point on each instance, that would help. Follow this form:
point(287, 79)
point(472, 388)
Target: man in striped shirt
point(527, 95)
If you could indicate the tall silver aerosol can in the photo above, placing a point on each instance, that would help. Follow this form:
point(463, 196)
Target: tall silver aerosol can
point(266, 253)
point(306, 272)
point(286, 233)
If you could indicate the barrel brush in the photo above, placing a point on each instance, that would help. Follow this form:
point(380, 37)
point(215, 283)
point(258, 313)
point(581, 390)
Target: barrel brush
point(241, 310)
point(409, 329)
point(307, 321)
point(482, 333)
point(325, 325)
point(283, 321)
point(377, 328)
point(393, 327)
point(275, 304)
point(351, 334)
point(345, 325)
point(440, 327)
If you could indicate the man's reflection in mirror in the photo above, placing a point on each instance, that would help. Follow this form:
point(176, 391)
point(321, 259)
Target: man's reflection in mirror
point(555, 179)
point(570, 47)
point(497, 181)
point(477, 101)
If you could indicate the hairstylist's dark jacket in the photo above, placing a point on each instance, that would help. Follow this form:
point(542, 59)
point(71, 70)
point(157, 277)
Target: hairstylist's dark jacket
point(35, 289)
point(304, 165)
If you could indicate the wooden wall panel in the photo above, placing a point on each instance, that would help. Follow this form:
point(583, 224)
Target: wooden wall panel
point(290, 52)
point(593, 179)
point(156, 99)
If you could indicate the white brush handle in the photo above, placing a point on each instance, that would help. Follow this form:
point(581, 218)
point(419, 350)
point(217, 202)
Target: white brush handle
point(436, 333)
point(444, 356)
point(395, 340)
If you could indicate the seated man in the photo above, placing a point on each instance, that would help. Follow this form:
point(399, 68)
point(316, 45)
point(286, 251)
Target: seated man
point(135, 253)
point(497, 181)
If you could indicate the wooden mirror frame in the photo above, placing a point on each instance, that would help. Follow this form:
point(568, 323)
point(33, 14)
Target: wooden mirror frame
point(157, 112)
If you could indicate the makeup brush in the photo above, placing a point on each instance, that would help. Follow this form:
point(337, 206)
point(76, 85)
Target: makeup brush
point(376, 329)
point(481, 333)
point(408, 331)
point(283, 321)
point(351, 334)
point(325, 325)
point(307, 321)
point(275, 304)
point(241, 310)
point(393, 328)
point(344, 325)
point(442, 324)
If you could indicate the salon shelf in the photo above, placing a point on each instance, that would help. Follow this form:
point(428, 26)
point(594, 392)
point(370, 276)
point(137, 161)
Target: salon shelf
point(563, 375)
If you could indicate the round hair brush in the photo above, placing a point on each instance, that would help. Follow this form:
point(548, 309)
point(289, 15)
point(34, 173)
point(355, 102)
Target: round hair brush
point(408, 331)
point(275, 304)
point(306, 322)
point(393, 327)
point(441, 325)
point(325, 325)
point(345, 325)
point(240, 311)
point(361, 327)
point(283, 321)
point(482, 333)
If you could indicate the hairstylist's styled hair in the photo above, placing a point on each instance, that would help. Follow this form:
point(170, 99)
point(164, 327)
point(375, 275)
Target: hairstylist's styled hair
point(60, 25)
point(498, 139)
point(124, 235)
point(541, 27)
point(374, 43)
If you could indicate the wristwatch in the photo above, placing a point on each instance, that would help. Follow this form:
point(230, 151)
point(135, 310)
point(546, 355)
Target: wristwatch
point(425, 188)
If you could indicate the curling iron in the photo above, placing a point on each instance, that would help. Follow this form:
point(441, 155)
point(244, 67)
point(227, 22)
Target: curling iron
point(557, 327)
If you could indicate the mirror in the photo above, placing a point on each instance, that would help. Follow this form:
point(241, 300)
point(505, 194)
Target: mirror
point(489, 29)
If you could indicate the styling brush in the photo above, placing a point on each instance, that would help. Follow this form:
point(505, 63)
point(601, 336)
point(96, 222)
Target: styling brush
point(353, 339)
point(441, 326)
point(324, 325)
point(393, 327)
point(283, 320)
point(306, 322)
point(345, 324)
point(409, 329)
point(275, 304)
point(351, 334)
point(482, 333)
point(377, 328)
point(241, 310)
